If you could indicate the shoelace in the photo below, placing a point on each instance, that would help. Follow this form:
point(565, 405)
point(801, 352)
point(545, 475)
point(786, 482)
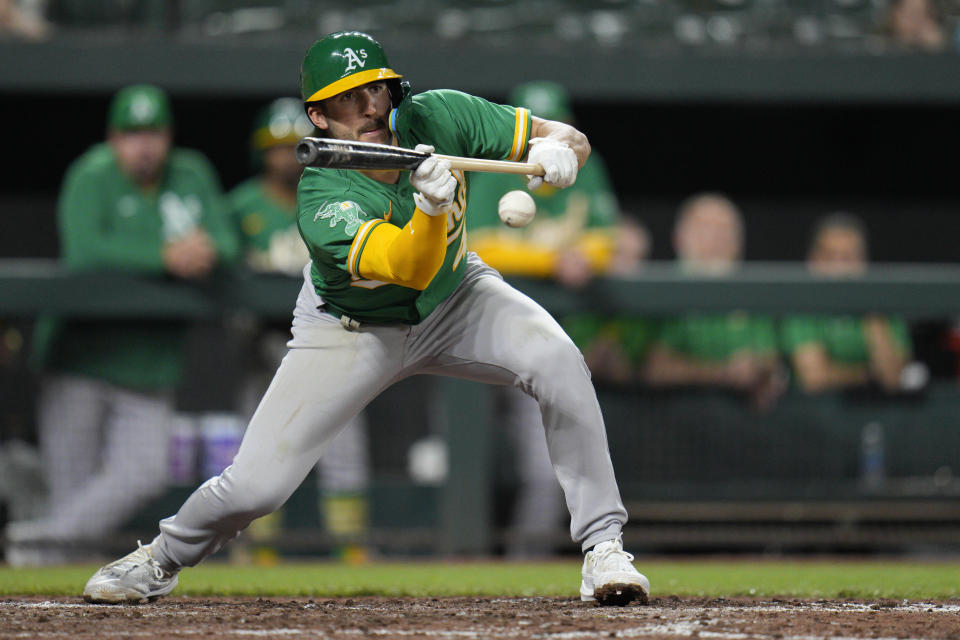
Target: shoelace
point(158, 572)
point(611, 551)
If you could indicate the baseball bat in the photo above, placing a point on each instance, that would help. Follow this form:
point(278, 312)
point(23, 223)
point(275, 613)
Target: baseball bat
point(329, 153)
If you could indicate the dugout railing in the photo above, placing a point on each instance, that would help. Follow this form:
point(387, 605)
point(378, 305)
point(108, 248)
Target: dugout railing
point(698, 469)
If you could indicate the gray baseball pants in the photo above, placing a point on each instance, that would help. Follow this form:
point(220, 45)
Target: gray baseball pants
point(538, 507)
point(485, 331)
point(345, 465)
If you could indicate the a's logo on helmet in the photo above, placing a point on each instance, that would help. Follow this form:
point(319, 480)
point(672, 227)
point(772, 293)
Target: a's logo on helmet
point(354, 60)
point(141, 108)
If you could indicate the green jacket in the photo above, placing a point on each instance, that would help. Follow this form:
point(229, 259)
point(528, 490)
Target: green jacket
point(267, 229)
point(107, 223)
point(842, 336)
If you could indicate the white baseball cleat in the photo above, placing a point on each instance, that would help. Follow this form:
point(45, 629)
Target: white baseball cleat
point(609, 577)
point(133, 578)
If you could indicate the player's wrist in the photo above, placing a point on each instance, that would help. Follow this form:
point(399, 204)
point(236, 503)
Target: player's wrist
point(560, 163)
point(430, 207)
point(437, 186)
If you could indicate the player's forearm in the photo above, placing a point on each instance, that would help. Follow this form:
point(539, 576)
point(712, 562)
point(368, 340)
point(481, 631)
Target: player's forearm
point(666, 368)
point(598, 248)
point(409, 257)
point(564, 133)
point(226, 243)
point(831, 376)
point(87, 243)
point(886, 358)
point(104, 252)
point(839, 376)
point(887, 370)
point(514, 258)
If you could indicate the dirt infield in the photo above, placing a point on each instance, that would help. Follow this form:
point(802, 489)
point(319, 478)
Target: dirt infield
point(548, 618)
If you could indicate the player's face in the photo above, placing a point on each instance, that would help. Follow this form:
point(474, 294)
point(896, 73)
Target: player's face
point(357, 114)
point(709, 238)
point(839, 252)
point(141, 154)
point(631, 247)
point(280, 163)
point(910, 17)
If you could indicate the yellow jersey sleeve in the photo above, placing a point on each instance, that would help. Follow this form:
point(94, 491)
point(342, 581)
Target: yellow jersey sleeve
point(408, 256)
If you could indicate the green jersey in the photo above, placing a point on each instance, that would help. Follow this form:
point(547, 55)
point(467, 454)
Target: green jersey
point(717, 338)
point(589, 203)
point(107, 222)
point(338, 209)
point(842, 337)
point(268, 229)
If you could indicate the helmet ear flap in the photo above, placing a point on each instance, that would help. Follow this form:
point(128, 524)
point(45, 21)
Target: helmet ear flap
point(399, 89)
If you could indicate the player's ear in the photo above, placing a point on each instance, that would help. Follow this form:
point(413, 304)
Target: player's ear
point(315, 113)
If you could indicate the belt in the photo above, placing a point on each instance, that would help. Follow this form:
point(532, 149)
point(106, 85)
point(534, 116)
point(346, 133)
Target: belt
point(346, 321)
point(352, 324)
point(349, 323)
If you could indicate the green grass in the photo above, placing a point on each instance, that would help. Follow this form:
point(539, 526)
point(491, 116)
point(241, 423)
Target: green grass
point(804, 579)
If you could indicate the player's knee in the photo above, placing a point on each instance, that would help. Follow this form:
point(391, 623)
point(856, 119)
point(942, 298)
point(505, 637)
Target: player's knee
point(259, 503)
point(560, 375)
point(560, 361)
point(248, 500)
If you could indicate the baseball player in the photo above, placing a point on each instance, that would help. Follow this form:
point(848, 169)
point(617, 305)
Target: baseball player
point(830, 352)
point(733, 350)
point(265, 211)
point(137, 205)
point(391, 292)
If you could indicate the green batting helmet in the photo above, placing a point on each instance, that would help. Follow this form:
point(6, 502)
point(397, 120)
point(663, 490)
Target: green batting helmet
point(548, 100)
point(282, 122)
point(343, 61)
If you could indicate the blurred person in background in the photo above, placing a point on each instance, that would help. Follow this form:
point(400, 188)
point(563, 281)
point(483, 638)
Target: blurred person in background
point(23, 491)
point(839, 352)
point(133, 204)
point(577, 233)
point(734, 350)
point(264, 209)
point(915, 23)
point(23, 19)
point(616, 347)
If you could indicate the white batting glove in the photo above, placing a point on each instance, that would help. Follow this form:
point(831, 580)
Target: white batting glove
point(558, 160)
point(437, 185)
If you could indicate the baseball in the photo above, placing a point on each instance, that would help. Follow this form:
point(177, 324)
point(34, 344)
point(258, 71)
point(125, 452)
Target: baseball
point(516, 208)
